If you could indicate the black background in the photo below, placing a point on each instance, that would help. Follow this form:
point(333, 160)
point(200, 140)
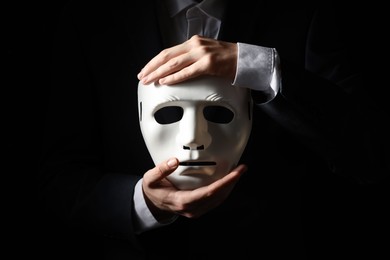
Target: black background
point(354, 217)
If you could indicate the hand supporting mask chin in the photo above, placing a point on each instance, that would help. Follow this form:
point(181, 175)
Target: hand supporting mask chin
point(204, 122)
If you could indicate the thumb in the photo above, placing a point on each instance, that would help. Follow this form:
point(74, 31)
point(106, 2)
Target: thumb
point(163, 169)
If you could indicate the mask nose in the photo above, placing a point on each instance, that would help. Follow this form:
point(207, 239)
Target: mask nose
point(193, 132)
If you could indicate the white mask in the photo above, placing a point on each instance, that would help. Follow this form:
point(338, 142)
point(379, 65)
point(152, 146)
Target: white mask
point(204, 122)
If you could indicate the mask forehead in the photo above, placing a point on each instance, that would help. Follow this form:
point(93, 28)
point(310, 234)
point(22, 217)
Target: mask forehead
point(209, 89)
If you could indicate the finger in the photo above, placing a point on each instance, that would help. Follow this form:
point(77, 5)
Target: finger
point(185, 73)
point(160, 59)
point(172, 67)
point(228, 179)
point(205, 198)
point(162, 170)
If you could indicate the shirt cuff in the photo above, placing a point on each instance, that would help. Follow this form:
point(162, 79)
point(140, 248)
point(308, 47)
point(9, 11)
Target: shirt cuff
point(144, 218)
point(258, 68)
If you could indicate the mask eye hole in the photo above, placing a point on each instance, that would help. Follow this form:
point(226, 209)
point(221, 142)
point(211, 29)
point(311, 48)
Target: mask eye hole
point(168, 115)
point(218, 114)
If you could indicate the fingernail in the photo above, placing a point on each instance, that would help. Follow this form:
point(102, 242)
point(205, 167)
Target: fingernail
point(140, 74)
point(172, 162)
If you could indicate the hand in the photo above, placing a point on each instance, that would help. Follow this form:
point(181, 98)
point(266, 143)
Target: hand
point(197, 56)
point(164, 200)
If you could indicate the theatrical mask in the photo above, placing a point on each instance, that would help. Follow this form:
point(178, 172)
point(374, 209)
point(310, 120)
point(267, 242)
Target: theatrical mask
point(204, 122)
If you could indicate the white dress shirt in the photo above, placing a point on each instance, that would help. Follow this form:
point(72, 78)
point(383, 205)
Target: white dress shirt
point(257, 66)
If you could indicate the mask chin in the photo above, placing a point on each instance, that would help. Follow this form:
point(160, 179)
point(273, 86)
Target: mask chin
point(193, 177)
point(200, 171)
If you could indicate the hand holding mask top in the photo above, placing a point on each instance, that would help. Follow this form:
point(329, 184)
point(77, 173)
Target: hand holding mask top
point(204, 122)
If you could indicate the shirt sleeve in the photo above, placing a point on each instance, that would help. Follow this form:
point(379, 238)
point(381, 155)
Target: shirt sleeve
point(144, 218)
point(258, 68)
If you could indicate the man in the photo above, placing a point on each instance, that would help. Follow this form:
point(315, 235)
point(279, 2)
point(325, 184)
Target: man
point(95, 155)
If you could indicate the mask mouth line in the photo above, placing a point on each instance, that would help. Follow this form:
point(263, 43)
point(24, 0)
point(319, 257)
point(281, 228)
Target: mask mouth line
point(205, 163)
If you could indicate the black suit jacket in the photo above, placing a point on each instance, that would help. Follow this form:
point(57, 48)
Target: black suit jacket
point(311, 132)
